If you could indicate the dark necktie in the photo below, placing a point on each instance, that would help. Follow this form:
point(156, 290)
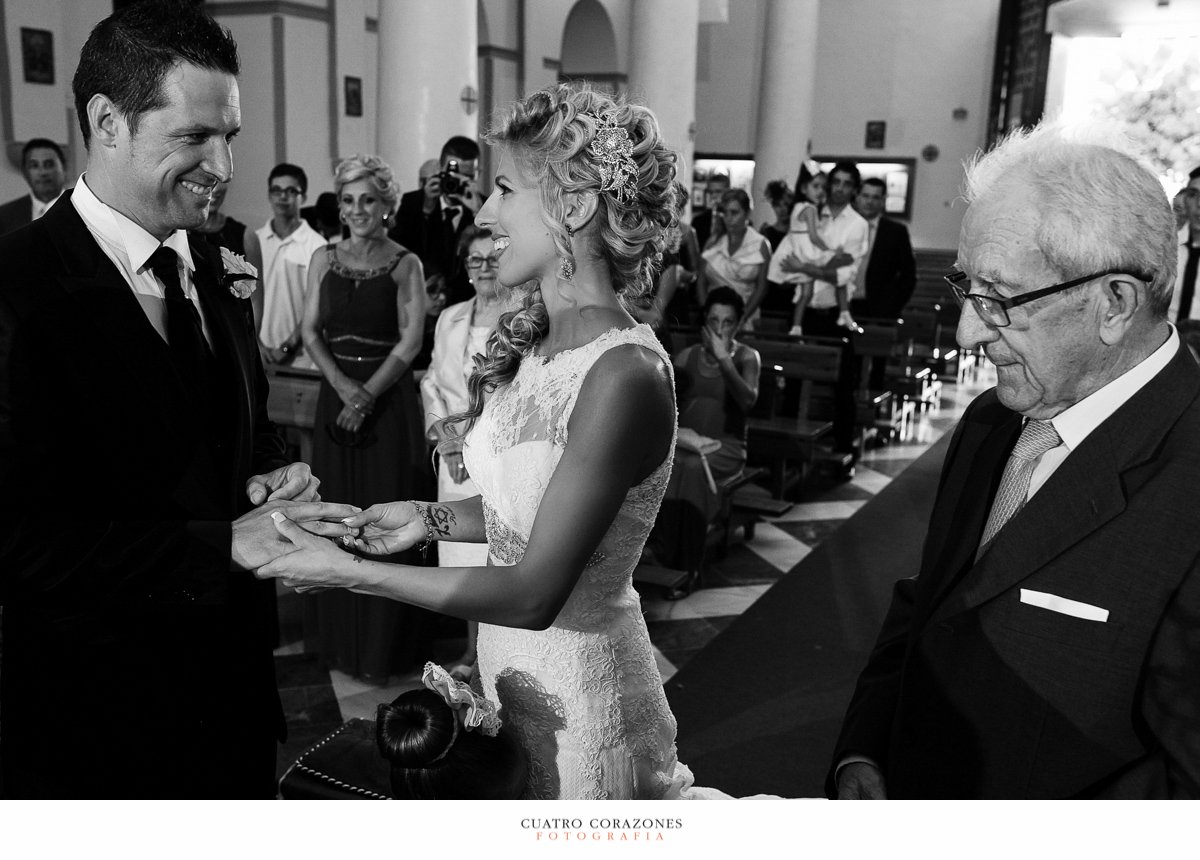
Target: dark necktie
point(1189, 281)
point(185, 334)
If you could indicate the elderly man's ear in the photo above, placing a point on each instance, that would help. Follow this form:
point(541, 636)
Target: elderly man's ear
point(1119, 304)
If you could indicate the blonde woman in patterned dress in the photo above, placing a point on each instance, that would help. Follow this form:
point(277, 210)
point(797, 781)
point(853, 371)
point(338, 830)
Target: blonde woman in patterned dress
point(570, 440)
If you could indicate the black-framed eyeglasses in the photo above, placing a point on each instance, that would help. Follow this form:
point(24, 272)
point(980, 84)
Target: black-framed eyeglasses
point(476, 262)
point(993, 310)
point(290, 191)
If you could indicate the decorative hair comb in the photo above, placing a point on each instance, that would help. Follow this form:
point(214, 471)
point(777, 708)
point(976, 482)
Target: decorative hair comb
point(613, 150)
point(472, 711)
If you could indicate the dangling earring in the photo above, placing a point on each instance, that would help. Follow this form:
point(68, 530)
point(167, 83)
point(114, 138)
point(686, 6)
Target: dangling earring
point(566, 266)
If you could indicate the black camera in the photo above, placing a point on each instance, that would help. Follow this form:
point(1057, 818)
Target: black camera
point(452, 182)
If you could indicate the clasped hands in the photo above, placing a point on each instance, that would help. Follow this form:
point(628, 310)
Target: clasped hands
point(321, 545)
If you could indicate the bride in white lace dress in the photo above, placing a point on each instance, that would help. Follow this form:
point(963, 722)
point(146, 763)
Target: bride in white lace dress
point(570, 441)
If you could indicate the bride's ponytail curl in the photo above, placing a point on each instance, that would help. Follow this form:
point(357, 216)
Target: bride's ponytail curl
point(548, 135)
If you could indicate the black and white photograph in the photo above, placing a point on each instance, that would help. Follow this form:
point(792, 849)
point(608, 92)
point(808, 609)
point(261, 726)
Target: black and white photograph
point(771, 403)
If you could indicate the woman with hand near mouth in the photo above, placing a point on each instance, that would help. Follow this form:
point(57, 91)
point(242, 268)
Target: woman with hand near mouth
point(569, 436)
point(363, 325)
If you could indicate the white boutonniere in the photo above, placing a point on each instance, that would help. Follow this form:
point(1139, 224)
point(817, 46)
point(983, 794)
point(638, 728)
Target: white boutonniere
point(239, 276)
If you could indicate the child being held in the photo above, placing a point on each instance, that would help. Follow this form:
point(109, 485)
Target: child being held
point(803, 241)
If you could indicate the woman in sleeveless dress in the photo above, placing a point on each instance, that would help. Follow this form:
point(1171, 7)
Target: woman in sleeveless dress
point(362, 326)
point(571, 433)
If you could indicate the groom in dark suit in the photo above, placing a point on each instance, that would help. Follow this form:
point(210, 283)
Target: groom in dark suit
point(134, 447)
point(1050, 646)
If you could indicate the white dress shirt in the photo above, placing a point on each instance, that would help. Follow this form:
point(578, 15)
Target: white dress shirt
point(129, 247)
point(40, 208)
point(846, 231)
point(1077, 421)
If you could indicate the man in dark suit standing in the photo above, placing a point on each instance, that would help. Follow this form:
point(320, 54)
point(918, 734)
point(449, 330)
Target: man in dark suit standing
point(135, 445)
point(430, 220)
point(1049, 646)
point(886, 279)
point(44, 169)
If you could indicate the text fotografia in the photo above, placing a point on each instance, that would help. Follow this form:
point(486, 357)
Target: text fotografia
point(601, 829)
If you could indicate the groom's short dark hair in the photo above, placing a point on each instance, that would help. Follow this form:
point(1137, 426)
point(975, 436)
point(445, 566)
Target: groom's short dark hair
point(129, 53)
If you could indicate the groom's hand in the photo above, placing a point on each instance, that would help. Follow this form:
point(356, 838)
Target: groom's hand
point(293, 482)
point(860, 780)
point(257, 541)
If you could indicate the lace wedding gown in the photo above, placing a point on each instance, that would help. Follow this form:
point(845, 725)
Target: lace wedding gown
point(584, 696)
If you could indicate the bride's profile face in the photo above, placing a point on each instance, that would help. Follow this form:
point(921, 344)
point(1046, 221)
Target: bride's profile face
point(514, 214)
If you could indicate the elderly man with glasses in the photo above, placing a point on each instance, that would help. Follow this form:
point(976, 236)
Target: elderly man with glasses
point(1050, 645)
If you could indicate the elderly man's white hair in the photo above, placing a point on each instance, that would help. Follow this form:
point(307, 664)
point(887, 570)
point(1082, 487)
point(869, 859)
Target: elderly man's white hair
point(1100, 206)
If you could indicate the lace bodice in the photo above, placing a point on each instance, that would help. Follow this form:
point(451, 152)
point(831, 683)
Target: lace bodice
point(585, 695)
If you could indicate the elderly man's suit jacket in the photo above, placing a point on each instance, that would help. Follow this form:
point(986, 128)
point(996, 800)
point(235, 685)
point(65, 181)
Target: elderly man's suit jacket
point(973, 690)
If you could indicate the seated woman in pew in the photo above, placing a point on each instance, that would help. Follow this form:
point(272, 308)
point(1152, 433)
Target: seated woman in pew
point(716, 383)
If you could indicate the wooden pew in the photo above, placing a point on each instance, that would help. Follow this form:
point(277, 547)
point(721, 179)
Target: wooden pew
point(780, 439)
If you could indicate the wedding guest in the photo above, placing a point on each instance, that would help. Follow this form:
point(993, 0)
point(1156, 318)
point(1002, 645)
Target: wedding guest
point(736, 255)
point(137, 659)
point(44, 167)
point(570, 449)
point(322, 216)
point(445, 742)
point(781, 199)
point(281, 250)
point(461, 334)
point(716, 383)
point(362, 325)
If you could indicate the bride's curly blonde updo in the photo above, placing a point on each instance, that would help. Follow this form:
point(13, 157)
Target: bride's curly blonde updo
point(548, 134)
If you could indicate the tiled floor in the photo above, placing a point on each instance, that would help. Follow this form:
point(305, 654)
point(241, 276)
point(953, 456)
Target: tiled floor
point(317, 701)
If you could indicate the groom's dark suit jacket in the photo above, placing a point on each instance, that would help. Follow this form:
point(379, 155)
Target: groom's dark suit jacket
point(972, 691)
point(134, 662)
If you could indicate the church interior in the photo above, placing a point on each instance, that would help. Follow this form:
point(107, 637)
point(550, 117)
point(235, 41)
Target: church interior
point(760, 643)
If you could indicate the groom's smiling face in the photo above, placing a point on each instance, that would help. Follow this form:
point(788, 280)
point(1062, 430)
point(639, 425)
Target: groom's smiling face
point(171, 165)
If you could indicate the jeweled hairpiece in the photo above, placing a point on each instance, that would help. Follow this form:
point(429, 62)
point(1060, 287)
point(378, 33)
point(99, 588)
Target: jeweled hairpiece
point(613, 151)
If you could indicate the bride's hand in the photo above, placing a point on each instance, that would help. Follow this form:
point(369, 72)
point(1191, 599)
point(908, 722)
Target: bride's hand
point(386, 529)
point(314, 562)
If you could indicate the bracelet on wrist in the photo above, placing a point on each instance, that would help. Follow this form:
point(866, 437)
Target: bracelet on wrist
point(427, 519)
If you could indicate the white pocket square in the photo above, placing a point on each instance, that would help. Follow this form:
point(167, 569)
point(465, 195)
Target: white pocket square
point(1064, 605)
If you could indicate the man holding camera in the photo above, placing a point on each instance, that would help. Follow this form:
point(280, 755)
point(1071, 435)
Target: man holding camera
point(431, 219)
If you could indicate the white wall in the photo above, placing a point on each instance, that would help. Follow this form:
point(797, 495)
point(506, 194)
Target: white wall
point(254, 148)
point(909, 63)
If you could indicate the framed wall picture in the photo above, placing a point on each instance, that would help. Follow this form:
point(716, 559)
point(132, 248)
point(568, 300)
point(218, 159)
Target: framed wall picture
point(37, 55)
point(876, 134)
point(353, 94)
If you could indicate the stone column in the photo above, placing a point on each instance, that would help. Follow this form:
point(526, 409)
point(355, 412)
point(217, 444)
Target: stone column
point(662, 70)
point(428, 54)
point(785, 95)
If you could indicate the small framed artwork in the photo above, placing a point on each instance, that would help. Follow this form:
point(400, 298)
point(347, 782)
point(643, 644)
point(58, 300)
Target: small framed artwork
point(37, 55)
point(353, 94)
point(876, 134)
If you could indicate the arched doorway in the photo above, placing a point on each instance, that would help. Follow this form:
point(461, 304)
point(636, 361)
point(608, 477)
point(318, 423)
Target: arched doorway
point(589, 48)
